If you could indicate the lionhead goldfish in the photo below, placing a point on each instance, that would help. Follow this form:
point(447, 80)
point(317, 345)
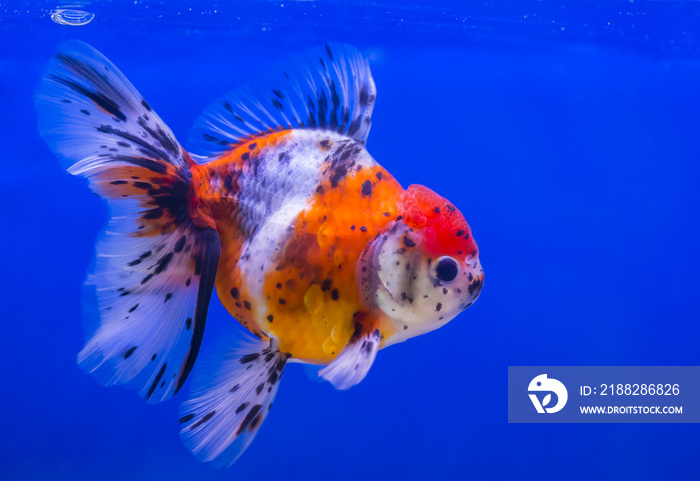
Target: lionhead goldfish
point(312, 245)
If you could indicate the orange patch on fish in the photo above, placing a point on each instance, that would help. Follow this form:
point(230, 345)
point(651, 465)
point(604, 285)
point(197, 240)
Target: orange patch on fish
point(147, 187)
point(314, 320)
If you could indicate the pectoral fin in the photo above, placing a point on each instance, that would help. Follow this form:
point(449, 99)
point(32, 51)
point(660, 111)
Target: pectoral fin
point(353, 362)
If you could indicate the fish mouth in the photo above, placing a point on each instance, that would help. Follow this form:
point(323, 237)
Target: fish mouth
point(476, 283)
point(474, 288)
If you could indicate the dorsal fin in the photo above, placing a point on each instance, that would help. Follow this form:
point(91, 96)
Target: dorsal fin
point(325, 88)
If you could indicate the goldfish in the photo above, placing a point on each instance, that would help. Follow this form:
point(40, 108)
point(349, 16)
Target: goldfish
point(311, 245)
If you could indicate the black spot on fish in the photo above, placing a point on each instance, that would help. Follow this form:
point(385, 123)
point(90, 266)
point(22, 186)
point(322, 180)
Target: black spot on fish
point(234, 293)
point(363, 229)
point(459, 233)
point(242, 407)
point(256, 419)
point(338, 173)
point(188, 282)
point(250, 357)
point(245, 156)
point(146, 106)
point(282, 301)
point(270, 318)
point(168, 296)
point(156, 381)
point(364, 98)
point(246, 304)
point(180, 244)
point(129, 351)
point(153, 214)
point(206, 418)
point(188, 323)
point(366, 188)
point(133, 308)
point(475, 286)
point(162, 264)
point(252, 146)
point(437, 210)
point(438, 307)
point(259, 388)
point(249, 417)
point(234, 388)
point(98, 99)
point(335, 295)
point(408, 242)
point(326, 285)
point(228, 183)
point(186, 418)
point(211, 138)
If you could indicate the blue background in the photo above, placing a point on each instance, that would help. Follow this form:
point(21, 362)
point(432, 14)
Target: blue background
point(566, 133)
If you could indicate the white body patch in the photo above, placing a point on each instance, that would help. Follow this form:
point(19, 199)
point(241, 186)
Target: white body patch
point(276, 192)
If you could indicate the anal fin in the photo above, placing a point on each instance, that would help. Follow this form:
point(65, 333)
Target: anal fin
point(231, 397)
point(353, 362)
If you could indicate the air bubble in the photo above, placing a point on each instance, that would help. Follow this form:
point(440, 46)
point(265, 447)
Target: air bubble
point(72, 17)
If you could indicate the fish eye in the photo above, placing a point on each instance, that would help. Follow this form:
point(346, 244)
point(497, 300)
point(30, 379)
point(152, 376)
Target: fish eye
point(447, 269)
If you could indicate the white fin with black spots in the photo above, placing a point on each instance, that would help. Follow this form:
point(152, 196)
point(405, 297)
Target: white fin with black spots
point(231, 396)
point(154, 270)
point(92, 117)
point(328, 88)
point(354, 360)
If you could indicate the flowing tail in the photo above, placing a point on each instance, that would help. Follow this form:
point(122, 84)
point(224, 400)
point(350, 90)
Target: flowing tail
point(154, 270)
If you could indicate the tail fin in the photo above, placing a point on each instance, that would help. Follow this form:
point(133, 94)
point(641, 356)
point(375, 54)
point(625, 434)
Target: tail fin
point(155, 269)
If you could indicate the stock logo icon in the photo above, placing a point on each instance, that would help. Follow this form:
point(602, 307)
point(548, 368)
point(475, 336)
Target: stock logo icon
point(540, 385)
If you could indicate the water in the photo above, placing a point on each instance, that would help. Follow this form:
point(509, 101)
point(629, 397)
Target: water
point(566, 133)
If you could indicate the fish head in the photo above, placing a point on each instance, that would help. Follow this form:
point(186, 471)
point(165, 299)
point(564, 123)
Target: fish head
point(424, 268)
